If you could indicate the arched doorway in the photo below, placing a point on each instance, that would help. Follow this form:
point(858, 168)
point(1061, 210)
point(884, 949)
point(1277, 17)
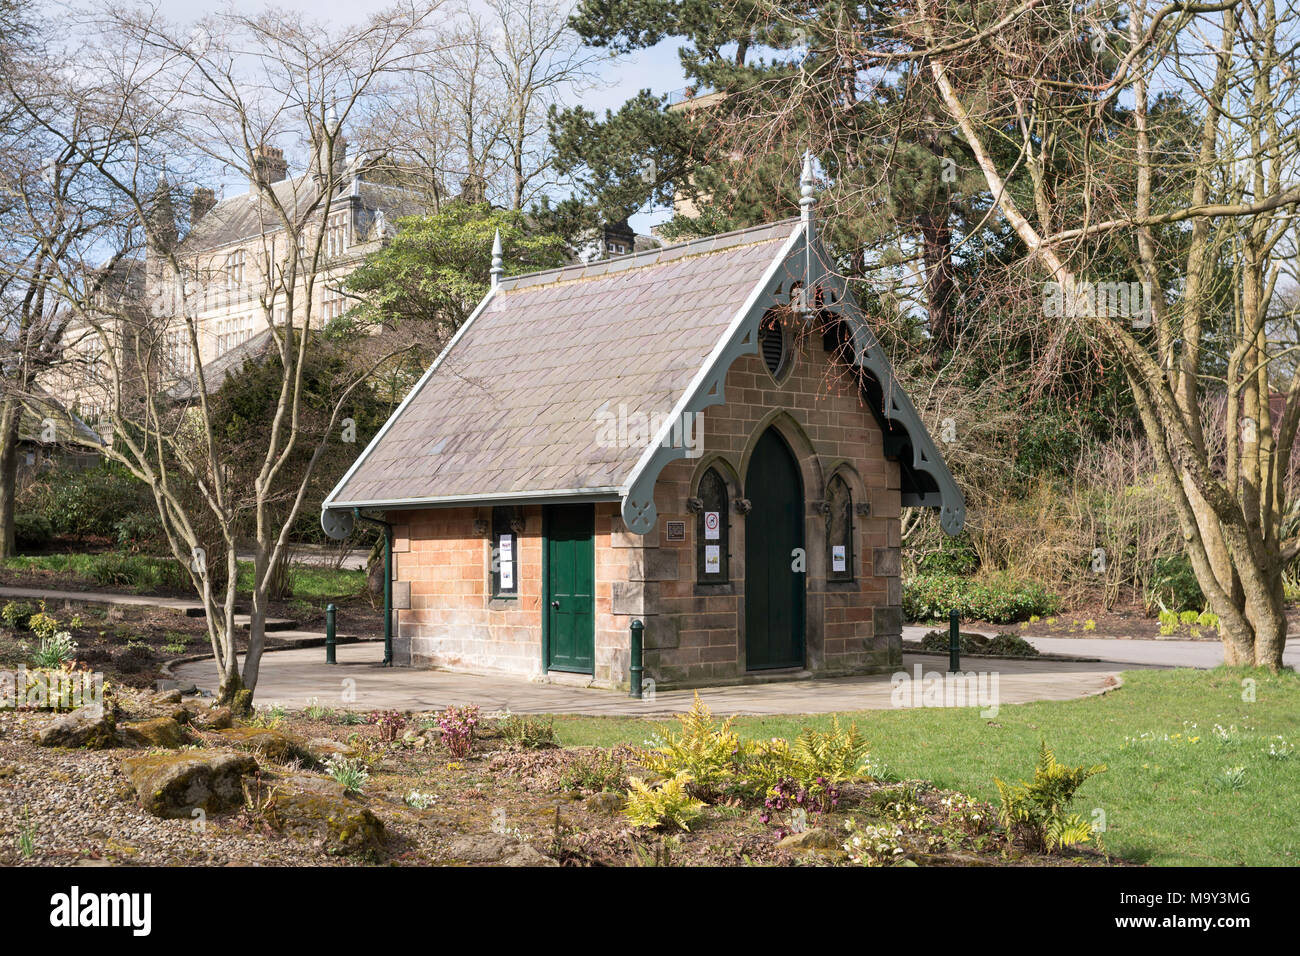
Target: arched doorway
point(774, 557)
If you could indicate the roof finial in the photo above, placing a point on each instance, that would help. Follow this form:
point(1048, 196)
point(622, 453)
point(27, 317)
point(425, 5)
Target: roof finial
point(807, 197)
point(498, 269)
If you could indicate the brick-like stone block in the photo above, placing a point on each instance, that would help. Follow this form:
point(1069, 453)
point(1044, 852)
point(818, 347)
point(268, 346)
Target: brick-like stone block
point(402, 595)
point(886, 562)
point(888, 621)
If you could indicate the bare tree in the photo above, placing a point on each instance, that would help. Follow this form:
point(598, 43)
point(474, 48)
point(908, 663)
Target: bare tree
point(1145, 159)
point(192, 99)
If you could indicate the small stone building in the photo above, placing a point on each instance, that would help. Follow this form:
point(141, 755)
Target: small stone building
point(706, 437)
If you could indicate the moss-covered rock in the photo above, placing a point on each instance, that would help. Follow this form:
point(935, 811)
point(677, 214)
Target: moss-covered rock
point(217, 718)
point(94, 728)
point(271, 744)
point(158, 732)
point(334, 822)
point(174, 785)
point(495, 849)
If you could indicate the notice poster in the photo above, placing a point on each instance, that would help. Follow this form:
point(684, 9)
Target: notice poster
point(507, 554)
point(838, 560)
point(712, 524)
point(712, 559)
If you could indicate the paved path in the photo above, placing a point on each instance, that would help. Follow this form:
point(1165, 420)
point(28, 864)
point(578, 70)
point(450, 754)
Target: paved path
point(1202, 654)
point(293, 678)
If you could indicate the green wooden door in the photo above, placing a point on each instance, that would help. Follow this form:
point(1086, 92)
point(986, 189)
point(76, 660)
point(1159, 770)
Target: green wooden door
point(570, 587)
point(774, 590)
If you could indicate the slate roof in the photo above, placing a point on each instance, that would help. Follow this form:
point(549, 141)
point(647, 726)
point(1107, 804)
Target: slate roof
point(215, 373)
point(513, 405)
point(240, 217)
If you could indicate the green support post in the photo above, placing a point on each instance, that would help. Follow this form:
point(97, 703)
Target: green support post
point(635, 662)
point(954, 643)
point(330, 638)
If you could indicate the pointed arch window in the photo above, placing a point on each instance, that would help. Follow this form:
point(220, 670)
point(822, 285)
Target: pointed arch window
point(712, 531)
point(839, 530)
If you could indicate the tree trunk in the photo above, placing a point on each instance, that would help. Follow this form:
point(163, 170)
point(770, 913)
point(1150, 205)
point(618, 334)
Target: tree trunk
point(10, 419)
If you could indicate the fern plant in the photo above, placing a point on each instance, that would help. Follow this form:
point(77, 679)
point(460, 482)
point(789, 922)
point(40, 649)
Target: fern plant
point(707, 752)
point(1038, 810)
point(671, 803)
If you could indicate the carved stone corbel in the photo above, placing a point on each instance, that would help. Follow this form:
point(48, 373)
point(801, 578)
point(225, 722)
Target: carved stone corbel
point(694, 505)
point(743, 506)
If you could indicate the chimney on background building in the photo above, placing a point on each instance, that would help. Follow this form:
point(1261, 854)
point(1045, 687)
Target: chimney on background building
point(201, 204)
point(321, 159)
point(269, 166)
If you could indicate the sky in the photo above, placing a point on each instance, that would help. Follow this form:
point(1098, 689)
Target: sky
point(657, 69)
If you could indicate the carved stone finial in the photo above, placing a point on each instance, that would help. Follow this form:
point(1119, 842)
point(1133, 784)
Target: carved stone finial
point(498, 268)
point(807, 188)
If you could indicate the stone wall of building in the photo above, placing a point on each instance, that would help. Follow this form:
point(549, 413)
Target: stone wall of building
point(694, 632)
point(447, 617)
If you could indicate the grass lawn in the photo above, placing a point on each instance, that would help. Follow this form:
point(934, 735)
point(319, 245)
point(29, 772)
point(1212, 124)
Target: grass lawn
point(144, 574)
point(1169, 739)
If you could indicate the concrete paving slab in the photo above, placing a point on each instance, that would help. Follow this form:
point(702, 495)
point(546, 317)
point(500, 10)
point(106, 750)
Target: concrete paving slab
point(293, 678)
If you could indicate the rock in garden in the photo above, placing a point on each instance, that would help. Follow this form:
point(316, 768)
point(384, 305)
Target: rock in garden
point(607, 802)
point(175, 785)
point(336, 823)
point(166, 697)
point(94, 728)
point(218, 718)
point(322, 748)
point(269, 743)
point(496, 849)
point(814, 839)
point(159, 732)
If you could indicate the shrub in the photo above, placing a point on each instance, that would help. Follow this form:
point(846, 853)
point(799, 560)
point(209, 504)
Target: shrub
point(1000, 598)
point(953, 556)
point(16, 614)
point(528, 732)
point(1037, 810)
point(137, 531)
point(87, 503)
point(1173, 585)
point(671, 803)
point(458, 725)
point(1010, 645)
point(32, 532)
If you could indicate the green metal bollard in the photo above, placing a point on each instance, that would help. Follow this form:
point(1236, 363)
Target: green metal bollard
point(330, 638)
point(954, 643)
point(634, 667)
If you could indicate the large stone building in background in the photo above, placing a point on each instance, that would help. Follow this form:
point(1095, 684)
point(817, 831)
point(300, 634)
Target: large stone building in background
point(233, 252)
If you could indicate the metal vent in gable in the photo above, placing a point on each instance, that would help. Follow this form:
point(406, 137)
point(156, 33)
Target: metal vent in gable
point(771, 340)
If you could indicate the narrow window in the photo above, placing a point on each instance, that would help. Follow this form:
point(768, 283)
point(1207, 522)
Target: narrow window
point(505, 553)
point(712, 530)
point(839, 530)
